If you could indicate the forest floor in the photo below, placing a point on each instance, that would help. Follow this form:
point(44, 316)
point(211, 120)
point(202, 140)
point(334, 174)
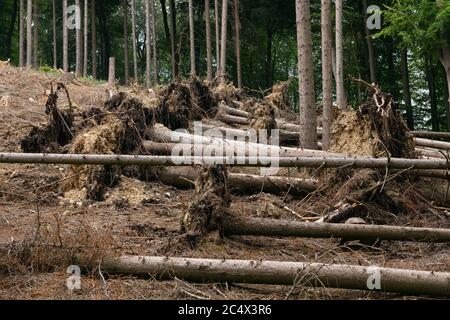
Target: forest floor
point(148, 222)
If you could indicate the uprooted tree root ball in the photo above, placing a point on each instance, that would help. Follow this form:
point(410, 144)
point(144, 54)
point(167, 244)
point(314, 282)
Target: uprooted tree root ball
point(58, 133)
point(209, 203)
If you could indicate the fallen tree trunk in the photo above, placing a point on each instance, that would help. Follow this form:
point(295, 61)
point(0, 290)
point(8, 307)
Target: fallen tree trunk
point(243, 183)
point(162, 134)
point(305, 162)
point(432, 143)
point(279, 228)
point(230, 119)
point(431, 134)
point(409, 282)
point(234, 111)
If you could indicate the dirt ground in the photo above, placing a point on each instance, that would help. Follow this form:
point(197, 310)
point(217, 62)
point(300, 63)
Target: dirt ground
point(141, 218)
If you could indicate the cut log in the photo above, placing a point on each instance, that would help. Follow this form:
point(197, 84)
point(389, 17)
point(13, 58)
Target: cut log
point(234, 111)
point(431, 135)
point(432, 143)
point(312, 162)
point(233, 225)
point(408, 282)
point(230, 119)
point(242, 183)
point(160, 133)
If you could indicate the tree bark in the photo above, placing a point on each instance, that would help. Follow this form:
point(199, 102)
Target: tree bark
point(308, 118)
point(406, 89)
point(29, 33)
point(208, 42)
point(155, 51)
point(65, 38)
point(223, 44)
point(55, 45)
point(148, 45)
point(112, 72)
point(85, 38)
point(173, 40)
point(125, 41)
point(340, 90)
point(241, 183)
point(78, 44)
point(192, 37)
point(21, 34)
point(94, 40)
point(217, 23)
point(327, 73)
point(280, 273)
point(237, 27)
point(429, 69)
point(134, 39)
point(36, 36)
point(233, 225)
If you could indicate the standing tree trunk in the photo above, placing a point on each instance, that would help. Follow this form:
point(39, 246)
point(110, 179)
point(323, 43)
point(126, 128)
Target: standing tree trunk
point(208, 41)
point(12, 27)
point(340, 90)
point(112, 72)
point(217, 22)
point(78, 49)
point(94, 40)
point(192, 37)
point(173, 40)
point(65, 38)
point(429, 69)
point(308, 120)
point(85, 40)
point(133, 36)
point(35, 36)
point(29, 33)
point(445, 60)
point(238, 43)
point(155, 51)
point(406, 90)
point(125, 41)
point(373, 78)
point(148, 46)
point(223, 44)
point(55, 51)
point(21, 38)
point(327, 72)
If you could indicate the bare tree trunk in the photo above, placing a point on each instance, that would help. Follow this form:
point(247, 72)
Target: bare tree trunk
point(78, 49)
point(36, 36)
point(429, 70)
point(85, 39)
point(155, 51)
point(133, 36)
point(112, 72)
point(148, 46)
point(223, 45)
point(21, 35)
point(208, 41)
point(173, 39)
point(281, 273)
point(29, 33)
point(55, 52)
point(65, 38)
point(125, 42)
point(238, 43)
point(217, 23)
point(327, 73)
point(373, 78)
point(308, 118)
point(406, 89)
point(340, 90)
point(94, 40)
point(192, 37)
